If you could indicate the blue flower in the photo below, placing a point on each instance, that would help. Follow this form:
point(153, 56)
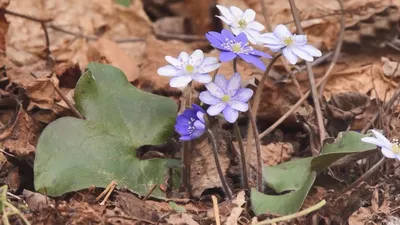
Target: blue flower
point(232, 47)
point(226, 97)
point(190, 124)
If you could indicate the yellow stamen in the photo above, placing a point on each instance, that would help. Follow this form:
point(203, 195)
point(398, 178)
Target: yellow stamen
point(242, 23)
point(236, 48)
point(189, 68)
point(288, 41)
point(225, 98)
point(395, 148)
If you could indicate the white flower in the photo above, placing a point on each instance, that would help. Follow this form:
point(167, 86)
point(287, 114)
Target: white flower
point(292, 46)
point(240, 21)
point(389, 149)
point(186, 68)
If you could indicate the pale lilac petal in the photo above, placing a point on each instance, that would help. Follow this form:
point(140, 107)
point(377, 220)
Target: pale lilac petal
point(225, 12)
point(209, 64)
point(221, 82)
point(225, 20)
point(234, 84)
point(201, 115)
point(310, 50)
point(216, 109)
point(181, 81)
point(281, 31)
point(388, 153)
point(275, 48)
point(199, 125)
point(208, 98)
point(236, 12)
point(168, 70)
point(227, 34)
point(292, 58)
point(214, 90)
point(242, 38)
point(240, 106)
point(270, 39)
point(253, 60)
point(185, 138)
point(256, 26)
point(382, 138)
point(299, 39)
point(243, 95)
point(230, 114)
point(196, 58)
point(261, 54)
point(236, 30)
point(227, 56)
point(301, 54)
point(252, 35)
point(173, 61)
point(249, 15)
point(374, 141)
point(183, 56)
point(197, 133)
point(202, 78)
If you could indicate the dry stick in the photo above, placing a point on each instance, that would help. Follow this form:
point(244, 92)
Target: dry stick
point(338, 47)
point(216, 210)
point(47, 49)
point(265, 13)
point(150, 192)
point(256, 103)
point(186, 148)
point(70, 105)
point(258, 149)
point(211, 138)
point(311, 78)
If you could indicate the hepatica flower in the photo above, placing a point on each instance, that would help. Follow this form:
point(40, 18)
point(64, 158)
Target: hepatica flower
point(186, 68)
point(190, 124)
point(240, 21)
point(226, 97)
point(388, 149)
point(292, 46)
point(235, 46)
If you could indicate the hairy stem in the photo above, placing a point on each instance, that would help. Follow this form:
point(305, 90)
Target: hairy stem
point(242, 156)
point(211, 138)
point(258, 150)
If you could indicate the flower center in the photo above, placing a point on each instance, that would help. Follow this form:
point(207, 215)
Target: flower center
point(395, 146)
point(191, 127)
point(189, 68)
point(288, 41)
point(226, 98)
point(236, 48)
point(242, 23)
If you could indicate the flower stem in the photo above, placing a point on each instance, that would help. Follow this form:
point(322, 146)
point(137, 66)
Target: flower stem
point(254, 108)
point(211, 138)
point(187, 101)
point(258, 149)
point(234, 62)
point(242, 156)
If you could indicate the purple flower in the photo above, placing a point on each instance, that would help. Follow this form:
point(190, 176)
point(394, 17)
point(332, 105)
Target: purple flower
point(232, 47)
point(226, 97)
point(190, 124)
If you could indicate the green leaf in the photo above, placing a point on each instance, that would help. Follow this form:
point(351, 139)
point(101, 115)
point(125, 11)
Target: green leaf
point(297, 176)
point(176, 207)
point(125, 3)
point(74, 154)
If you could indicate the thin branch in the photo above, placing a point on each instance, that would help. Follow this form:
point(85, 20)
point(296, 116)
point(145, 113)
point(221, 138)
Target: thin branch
point(31, 18)
point(70, 105)
point(216, 210)
point(242, 156)
point(211, 138)
point(311, 78)
point(266, 18)
point(150, 192)
point(258, 150)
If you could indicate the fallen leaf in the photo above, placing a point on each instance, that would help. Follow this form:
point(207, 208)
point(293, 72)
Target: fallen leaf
point(236, 211)
point(181, 219)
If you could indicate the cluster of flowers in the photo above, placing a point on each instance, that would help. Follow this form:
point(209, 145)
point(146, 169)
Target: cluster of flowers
point(227, 96)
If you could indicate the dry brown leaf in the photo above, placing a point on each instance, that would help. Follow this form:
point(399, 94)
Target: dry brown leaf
point(181, 219)
point(390, 68)
point(116, 56)
point(133, 206)
point(200, 14)
point(236, 211)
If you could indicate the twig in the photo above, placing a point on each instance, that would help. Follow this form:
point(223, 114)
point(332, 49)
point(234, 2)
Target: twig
point(337, 49)
point(242, 156)
point(183, 37)
point(254, 108)
point(258, 150)
point(187, 102)
point(211, 138)
point(149, 193)
point(311, 78)
point(216, 210)
point(364, 176)
point(70, 105)
point(47, 49)
point(107, 191)
point(25, 16)
point(266, 18)
point(295, 215)
point(132, 218)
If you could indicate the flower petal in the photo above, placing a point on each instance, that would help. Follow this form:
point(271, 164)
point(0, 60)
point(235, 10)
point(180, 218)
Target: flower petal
point(292, 58)
point(230, 114)
point(216, 109)
point(236, 12)
point(275, 48)
point(197, 133)
point(310, 50)
point(243, 95)
point(202, 78)
point(173, 61)
point(270, 39)
point(382, 138)
point(388, 153)
point(214, 90)
point(240, 106)
point(225, 20)
point(260, 53)
point(236, 30)
point(225, 12)
point(201, 115)
point(299, 40)
point(185, 138)
point(183, 57)
point(182, 129)
point(196, 58)
point(221, 82)
point(180, 81)
point(234, 84)
point(253, 60)
point(242, 38)
point(199, 125)
point(281, 31)
point(255, 26)
point(208, 98)
point(227, 56)
point(168, 70)
point(227, 34)
point(374, 141)
point(249, 15)
point(209, 64)
point(301, 54)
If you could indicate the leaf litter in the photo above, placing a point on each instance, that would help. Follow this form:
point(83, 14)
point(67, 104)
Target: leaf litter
point(127, 37)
